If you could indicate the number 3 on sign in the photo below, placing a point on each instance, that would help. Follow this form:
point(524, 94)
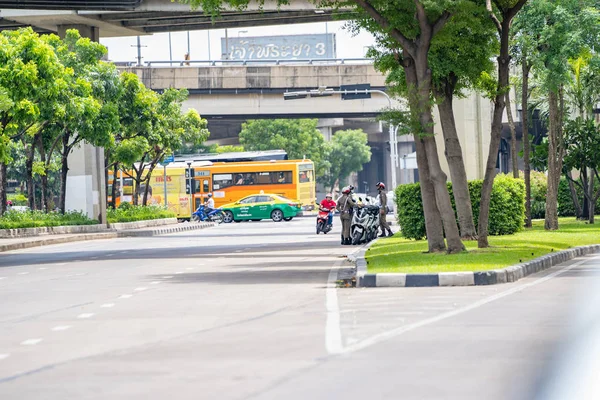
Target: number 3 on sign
point(320, 49)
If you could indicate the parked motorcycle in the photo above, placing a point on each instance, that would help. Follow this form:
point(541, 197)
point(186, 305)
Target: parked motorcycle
point(365, 222)
point(215, 215)
point(323, 221)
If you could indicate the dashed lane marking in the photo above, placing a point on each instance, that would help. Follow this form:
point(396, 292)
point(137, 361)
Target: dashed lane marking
point(43, 268)
point(23, 273)
point(167, 277)
point(31, 342)
point(3, 356)
point(140, 289)
point(61, 328)
point(125, 296)
point(108, 305)
point(85, 315)
point(178, 272)
point(155, 283)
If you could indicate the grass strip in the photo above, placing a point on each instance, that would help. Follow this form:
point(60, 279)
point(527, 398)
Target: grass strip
point(400, 255)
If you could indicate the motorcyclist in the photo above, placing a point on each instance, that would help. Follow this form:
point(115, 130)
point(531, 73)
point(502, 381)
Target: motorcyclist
point(209, 204)
point(345, 206)
point(329, 204)
point(383, 210)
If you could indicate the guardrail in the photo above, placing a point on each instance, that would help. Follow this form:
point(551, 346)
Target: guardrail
point(225, 63)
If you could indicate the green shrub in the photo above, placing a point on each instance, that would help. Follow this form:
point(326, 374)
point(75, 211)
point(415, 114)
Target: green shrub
point(35, 219)
point(128, 213)
point(539, 188)
point(18, 199)
point(507, 206)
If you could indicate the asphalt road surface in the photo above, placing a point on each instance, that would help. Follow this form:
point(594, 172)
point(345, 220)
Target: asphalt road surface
point(250, 311)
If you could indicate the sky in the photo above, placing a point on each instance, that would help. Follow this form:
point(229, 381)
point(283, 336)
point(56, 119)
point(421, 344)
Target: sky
point(157, 45)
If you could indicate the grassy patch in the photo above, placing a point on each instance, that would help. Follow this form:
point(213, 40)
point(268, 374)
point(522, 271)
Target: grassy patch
point(131, 213)
point(36, 219)
point(407, 256)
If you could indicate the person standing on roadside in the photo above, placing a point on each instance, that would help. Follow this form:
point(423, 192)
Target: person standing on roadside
point(345, 204)
point(383, 210)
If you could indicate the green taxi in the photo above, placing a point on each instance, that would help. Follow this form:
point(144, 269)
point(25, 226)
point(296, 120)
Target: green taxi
point(261, 206)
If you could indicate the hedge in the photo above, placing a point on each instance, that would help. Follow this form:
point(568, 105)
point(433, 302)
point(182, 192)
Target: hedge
point(36, 219)
point(129, 213)
point(507, 207)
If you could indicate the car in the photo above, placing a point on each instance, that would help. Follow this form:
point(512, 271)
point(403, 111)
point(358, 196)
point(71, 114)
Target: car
point(261, 206)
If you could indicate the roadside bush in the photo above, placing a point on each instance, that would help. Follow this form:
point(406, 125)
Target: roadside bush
point(17, 199)
point(507, 207)
point(36, 219)
point(539, 188)
point(129, 213)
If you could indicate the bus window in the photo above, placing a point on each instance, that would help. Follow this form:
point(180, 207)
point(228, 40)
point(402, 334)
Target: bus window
point(281, 177)
point(222, 181)
point(196, 186)
point(205, 187)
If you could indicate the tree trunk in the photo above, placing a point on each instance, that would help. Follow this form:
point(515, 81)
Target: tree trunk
point(458, 175)
point(64, 169)
point(526, 143)
point(29, 154)
point(578, 211)
point(3, 187)
point(433, 220)
point(591, 199)
point(114, 186)
point(513, 137)
point(554, 170)
point(44, 178)
point(490, 169)
point(437, 175)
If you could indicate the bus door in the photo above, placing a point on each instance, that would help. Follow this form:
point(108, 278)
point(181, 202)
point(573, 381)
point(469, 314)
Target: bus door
point(203, 186)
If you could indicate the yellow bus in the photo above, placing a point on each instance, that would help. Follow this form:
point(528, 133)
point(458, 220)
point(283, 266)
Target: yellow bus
point(228, 182)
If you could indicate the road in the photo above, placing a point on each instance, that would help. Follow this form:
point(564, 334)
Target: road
point(249, 311)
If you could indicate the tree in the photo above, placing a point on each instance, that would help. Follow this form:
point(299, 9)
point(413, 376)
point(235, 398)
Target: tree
point(87, 115)
point(31, 78)
point(172, 129)
point(561, 31)
point(502, 13)
point(349, 151)
point(300, 138)
point(456, 66)
point(582, 141)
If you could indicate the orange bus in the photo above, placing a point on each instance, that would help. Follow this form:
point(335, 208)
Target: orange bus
point(228, 182)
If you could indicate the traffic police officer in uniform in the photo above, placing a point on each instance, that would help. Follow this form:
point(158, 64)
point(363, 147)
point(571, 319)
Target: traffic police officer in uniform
point(345, 204)
point(383, 210)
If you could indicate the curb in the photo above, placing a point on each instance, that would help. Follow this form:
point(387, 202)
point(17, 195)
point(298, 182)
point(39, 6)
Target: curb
point(106, 235)
point(491, 277)
point(164, 231)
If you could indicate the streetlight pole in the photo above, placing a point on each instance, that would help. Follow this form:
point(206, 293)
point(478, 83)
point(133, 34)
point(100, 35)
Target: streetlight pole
point(392, 131)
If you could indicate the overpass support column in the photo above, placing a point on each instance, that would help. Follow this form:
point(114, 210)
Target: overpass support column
point(86, 184)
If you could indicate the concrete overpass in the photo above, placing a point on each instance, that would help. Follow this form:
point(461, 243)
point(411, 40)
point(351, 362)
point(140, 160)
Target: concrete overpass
point(140, 17)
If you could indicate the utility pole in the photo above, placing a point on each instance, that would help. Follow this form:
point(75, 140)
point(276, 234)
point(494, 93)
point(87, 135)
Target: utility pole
point(139, 51)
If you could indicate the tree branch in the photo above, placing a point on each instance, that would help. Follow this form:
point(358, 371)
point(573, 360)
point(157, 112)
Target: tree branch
point(440, 23)
point(406, 44)
point(488, 5)
point(515, 9)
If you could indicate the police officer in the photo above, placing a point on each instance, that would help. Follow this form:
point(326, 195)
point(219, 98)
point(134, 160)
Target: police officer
point(383, 210)
point(345, 205)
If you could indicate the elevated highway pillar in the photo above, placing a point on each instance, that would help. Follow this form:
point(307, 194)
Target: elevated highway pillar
point(86, 183)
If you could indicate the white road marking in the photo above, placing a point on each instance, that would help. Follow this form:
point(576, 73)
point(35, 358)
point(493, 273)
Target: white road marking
point(43, 268)
point(85, 315)
point(333, 332)
point(178, 272)
point(31, 342)
point(167, 277)
point(155, 283)
point(125, 296)
point(23, 273)
point(94, 258)
point(108, 305)
point(140, 289)
point(61, 328)
point(2, 277)
point(3, 356)
point(59, 264)
point(110, 254)
point(190, 268)
point(383, 336)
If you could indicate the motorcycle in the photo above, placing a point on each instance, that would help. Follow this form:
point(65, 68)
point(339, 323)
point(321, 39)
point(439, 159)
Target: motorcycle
point(323, 221)
point(215, 215)
point(365, 221)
